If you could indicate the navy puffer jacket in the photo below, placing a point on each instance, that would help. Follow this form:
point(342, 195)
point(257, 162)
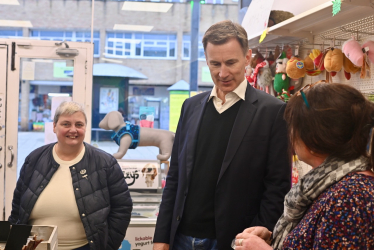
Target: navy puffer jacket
point(103, 198)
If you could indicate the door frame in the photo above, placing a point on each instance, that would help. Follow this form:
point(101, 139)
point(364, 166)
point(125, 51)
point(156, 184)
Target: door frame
point(82, 93)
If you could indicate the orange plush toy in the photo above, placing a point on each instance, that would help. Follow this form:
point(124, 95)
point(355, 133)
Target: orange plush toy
point(333, 61)
point(349, 68)
point(295, 68)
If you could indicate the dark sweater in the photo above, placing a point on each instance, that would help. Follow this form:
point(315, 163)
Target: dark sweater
point(214, 133)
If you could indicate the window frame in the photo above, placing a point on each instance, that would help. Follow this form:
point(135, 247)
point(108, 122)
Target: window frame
point(137, 40)
point(73, 38)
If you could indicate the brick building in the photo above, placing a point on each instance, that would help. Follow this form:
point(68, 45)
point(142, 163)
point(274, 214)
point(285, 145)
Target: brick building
point(160, 51)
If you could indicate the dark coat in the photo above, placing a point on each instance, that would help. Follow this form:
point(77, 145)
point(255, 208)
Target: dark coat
point(255, 175)
point(103, 199)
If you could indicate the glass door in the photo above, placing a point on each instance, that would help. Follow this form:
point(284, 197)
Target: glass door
point(39, 75)
point(3, 67)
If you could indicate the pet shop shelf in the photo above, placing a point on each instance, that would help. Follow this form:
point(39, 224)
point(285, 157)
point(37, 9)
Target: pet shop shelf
point(312, 22)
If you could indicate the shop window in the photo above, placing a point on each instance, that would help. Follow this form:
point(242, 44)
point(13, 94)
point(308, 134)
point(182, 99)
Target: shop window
point(186, 52)
point(11, 33)
point(140, 45)
point(74, 36)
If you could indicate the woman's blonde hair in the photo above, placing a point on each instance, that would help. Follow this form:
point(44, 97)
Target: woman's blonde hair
point(68, 108)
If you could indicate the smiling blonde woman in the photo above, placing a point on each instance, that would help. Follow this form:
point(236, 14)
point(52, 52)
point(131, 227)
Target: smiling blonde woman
point(75, 186)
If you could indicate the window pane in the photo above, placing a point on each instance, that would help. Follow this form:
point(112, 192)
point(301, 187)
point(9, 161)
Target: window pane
point(138, 36)
point(161, 43)
point(155, 37)
point(110, 44)
point(119, 35)
point(68, 34)
point(96, 35)
point(172, 50)
point(149, 43)
point(154, 52)
point(96, 47)
point(52, 33)
point(138, 49)
point(127, 45)
point(110, 35)
point(128, 35)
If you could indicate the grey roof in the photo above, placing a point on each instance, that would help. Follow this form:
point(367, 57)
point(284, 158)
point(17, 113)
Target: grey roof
point(180, 85)
point(115, 70)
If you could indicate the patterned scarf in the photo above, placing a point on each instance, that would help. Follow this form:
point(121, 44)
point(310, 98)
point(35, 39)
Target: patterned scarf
point(301, 196)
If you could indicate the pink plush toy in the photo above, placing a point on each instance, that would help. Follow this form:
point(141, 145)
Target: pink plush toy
point(353, 51)
point(369, 45)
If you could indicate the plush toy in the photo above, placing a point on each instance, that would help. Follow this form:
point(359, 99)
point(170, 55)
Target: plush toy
point(309, 64)
point(265, 77)
point(349, 68)
point(281, 80)
point(369, 48)
point(353, 51)
point(257, 58)
point(285, 96)
point(317, 58)
point(333, 60)
point(295, 68)
point(130, 136)
point(311, 69)
point(278, 16)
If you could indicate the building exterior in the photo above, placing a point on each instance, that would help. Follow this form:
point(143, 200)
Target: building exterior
point(160, 52)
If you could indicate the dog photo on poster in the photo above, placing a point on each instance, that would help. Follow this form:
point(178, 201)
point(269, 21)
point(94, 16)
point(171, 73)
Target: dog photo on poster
point(141, 175)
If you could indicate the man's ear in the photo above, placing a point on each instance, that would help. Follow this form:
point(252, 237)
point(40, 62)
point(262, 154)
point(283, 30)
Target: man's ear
point(54, 128)
point(206, 58)
point(248, 57)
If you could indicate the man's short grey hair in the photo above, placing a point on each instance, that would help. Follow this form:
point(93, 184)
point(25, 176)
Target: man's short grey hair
point(222, 32)
point(69, 108)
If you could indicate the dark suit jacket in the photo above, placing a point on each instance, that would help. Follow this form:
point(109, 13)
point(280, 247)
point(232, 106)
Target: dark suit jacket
point(255, 174)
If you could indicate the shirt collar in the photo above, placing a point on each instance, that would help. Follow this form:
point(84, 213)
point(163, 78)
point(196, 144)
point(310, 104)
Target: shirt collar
point(239, 91)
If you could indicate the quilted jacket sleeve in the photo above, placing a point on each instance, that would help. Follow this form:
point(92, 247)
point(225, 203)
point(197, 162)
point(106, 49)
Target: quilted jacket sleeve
point(120, 206)
point(14, 215)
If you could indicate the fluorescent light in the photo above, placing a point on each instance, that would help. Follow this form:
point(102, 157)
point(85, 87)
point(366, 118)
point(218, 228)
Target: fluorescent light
point(112, 60)
point(58, 94)
point(10, 2)
point(15, 23)
point(132, 27)
point(146, 6)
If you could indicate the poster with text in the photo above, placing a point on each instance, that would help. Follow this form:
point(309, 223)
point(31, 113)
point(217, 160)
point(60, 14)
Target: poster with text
point(108, 100)
point(256, 19)
point(141, 175)
point(138, 238)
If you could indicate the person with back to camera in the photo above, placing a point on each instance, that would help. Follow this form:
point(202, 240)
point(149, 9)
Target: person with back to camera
point(332, 207)
point(230, 168)
point(75, 186)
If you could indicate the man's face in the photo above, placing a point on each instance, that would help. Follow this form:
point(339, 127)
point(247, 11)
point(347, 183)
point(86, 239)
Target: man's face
point(227, 63)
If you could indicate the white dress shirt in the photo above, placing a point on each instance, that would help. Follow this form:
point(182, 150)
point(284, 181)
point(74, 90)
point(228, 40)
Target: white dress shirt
point(231, 97)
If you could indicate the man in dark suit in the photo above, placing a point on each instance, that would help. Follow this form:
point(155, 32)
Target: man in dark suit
point(229, 166)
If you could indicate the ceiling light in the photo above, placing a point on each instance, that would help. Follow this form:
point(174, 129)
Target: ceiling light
point(146, 6)
point(15, 23)
point(132, 27)
point(10, 2)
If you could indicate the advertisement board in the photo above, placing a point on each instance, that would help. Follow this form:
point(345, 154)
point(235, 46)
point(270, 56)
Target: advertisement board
point(138, 238)
point(141, 174)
